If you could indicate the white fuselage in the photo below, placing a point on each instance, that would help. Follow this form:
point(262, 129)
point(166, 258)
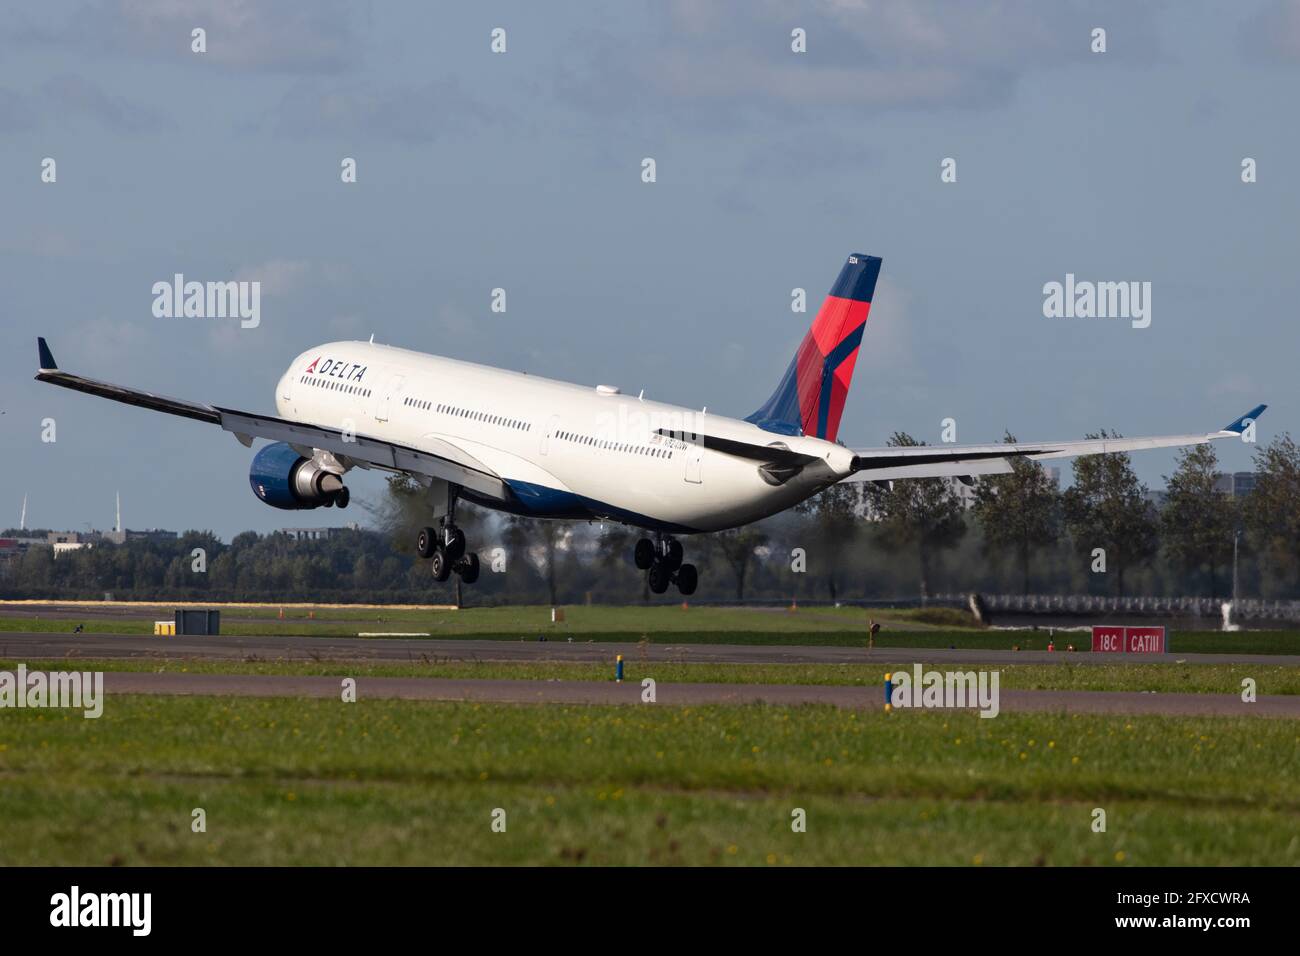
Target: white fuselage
point(565, 451)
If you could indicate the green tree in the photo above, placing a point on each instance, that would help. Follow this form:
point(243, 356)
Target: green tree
point(833, 525)
point(1106, 508)
point(539, 541)
point(737, 548)
point(1198, 523)
point(1272, 511)
point(1018, 512)
point(615, 548)
point(924, 514)
point(405, 508)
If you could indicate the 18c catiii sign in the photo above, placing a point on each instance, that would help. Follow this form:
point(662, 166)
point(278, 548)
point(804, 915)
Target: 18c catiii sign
point(1128, 640)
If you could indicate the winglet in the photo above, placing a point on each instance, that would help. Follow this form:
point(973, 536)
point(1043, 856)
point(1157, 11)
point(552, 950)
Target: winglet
point(1239, 425)
point(47, 357)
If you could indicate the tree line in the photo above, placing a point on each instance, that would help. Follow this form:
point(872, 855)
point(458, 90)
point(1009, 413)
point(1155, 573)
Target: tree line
point(900, 539)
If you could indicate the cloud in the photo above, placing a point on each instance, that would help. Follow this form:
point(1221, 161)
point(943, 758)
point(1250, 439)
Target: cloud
point(1274, 32)
point(407, 114)
point(278, 276)
point(315, 37)
point(887, 340)
point(793, 156)
point(453, 323)
point(722, 61)
point(17, 111)
point(109, 343)
point(1234, 385)
point(346, 326)
point(69, 95)
point(43, 241)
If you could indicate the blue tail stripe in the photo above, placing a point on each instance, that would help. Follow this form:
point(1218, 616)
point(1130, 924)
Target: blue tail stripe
point(857, 279)
point(780, 413)
point(842, 351)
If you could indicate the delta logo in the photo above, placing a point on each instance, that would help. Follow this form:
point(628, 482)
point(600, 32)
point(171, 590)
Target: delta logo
point(348, 371)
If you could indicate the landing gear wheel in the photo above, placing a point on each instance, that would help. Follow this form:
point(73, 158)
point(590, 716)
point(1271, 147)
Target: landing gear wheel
point(467, 568)
point(440, 566)
point(644, 554)
point(426, 542)
point(343, 497)
point(660, 577)
point(454, 544)
point(673, 554)
point(687, 579)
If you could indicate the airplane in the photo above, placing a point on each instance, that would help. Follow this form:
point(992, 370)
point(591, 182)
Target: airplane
point(527, 445)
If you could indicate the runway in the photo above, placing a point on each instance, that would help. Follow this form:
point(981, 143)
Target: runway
point(47, 645)
point(593, 692)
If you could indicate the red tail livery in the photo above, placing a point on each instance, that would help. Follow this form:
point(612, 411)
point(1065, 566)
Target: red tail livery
point(810, 399)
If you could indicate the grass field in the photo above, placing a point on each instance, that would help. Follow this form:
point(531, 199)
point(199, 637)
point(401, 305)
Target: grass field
point(845, 627)
point(398, 782)
point(1159, 678)
point(286, 781)
point(511, 621)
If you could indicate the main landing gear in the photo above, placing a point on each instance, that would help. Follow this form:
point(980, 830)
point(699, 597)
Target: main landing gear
point(444, 546)
point(662, 558)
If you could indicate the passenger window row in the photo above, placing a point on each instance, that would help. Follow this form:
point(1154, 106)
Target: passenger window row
point(334, 385)
point(606, 445)
point(457, 412)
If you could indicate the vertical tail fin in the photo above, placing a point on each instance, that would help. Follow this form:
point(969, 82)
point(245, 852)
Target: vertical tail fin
point(812, 393)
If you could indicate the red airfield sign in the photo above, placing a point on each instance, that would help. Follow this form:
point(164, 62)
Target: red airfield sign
point(1128, 640)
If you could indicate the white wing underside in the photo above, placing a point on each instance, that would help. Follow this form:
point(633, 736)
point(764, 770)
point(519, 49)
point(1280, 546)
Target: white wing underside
point(962, 460)
point(440, 460)
point(449, 462)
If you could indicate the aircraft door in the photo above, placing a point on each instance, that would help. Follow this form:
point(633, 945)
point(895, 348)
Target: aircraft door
point(388, 393)
point(694, 462)
point(551, 427)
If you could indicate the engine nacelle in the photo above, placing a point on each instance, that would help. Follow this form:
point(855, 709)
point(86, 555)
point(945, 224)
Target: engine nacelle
point(283, 478)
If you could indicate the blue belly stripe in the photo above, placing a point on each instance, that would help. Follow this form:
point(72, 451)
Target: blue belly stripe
point(542, 502)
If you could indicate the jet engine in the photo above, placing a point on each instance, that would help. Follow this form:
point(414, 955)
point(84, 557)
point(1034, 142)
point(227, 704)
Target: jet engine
point(285, 479)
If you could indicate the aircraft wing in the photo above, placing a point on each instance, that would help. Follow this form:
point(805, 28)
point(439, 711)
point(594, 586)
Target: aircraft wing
point(938, 461)
point(447, 462)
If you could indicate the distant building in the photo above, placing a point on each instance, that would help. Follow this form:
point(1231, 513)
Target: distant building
point(317, 534)
point(63, 547)
point(964, 492)
point(1238, 484)
point(12, 548)
point(153, 534)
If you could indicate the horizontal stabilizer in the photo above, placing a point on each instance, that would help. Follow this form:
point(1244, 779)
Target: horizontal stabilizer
point(776, 454)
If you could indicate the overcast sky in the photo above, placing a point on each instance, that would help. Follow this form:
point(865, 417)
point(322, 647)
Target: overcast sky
point(522, 170)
